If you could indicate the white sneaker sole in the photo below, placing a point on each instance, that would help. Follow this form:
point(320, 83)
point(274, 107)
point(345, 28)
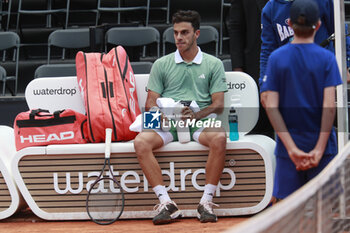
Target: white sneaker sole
point(176, 214)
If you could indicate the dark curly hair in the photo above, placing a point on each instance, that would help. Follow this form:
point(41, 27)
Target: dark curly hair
point(190, 16)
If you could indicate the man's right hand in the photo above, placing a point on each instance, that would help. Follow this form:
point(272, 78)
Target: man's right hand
point(187, 113)
point(300, 159)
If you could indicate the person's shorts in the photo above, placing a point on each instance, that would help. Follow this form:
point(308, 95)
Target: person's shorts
point(171, 135)
point(288, 179)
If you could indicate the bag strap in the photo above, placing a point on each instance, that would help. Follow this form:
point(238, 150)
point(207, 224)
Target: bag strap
point(57, 113)
point(125, 69)
point(35, 112)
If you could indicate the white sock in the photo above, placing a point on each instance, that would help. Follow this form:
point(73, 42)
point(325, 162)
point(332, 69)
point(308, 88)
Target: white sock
point(161, 193)
point(208, 194)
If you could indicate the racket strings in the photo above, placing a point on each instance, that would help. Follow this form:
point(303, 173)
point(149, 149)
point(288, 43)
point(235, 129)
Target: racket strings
point(105, 202)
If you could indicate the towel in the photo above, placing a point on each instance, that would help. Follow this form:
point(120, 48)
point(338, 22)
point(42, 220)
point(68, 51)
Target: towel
point(166, 105)
point(136, 126)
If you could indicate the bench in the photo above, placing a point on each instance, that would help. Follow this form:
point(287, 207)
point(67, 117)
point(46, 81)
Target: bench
point(54, 179)
point(10, 199)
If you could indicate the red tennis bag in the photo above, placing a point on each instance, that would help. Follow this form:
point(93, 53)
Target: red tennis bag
point(38, 127)
point(108, 86)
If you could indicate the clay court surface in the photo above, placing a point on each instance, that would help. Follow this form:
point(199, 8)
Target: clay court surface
point(26, 221)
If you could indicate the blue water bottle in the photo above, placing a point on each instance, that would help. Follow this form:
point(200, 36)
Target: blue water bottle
point(233, 123)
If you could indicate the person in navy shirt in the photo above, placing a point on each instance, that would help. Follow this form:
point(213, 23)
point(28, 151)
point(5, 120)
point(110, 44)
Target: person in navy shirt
point(276, 31)
point(300, 85)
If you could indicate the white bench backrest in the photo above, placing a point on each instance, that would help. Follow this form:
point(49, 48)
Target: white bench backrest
point(242, 90)
point(63, 93)
point(54, 94)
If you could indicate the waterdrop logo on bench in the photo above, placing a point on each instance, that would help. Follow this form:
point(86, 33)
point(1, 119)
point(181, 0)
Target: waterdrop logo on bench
point(55, 91)
point(237, 86)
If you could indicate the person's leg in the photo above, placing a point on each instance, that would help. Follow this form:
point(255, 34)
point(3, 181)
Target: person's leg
point(145, 143)
point(287, 178)
point(215, 139)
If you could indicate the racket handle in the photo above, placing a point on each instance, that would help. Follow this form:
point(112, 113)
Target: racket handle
point(108, 141)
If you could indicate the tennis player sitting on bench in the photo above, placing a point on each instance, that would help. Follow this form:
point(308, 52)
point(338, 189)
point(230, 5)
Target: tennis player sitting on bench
point(187, 74)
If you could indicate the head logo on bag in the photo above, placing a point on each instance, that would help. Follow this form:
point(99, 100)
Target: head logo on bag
point(123, 112)
point(81, 87)
point(132, 90)
point(47, 138)
point(114, 62)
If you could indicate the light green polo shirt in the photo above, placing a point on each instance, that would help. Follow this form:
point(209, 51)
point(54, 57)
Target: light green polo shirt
point(172, 77)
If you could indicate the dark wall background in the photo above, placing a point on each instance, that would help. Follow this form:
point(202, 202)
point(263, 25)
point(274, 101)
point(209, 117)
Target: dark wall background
point(10, 107)
point(34, 31)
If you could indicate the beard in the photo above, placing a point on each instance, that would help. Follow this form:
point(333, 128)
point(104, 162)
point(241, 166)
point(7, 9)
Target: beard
point(187, 46)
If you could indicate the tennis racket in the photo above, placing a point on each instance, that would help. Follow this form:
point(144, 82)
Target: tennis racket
point(105, 198)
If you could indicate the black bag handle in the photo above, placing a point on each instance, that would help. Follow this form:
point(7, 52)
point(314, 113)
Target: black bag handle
point(35, 112)
point(57, 113)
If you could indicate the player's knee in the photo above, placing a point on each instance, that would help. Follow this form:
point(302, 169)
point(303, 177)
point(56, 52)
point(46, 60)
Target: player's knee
point(219, 141)
point(141, 145)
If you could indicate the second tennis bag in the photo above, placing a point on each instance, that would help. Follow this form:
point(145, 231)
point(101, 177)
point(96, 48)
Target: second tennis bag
point(108, 86)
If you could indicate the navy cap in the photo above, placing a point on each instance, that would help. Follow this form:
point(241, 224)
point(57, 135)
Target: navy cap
point(304, 13)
